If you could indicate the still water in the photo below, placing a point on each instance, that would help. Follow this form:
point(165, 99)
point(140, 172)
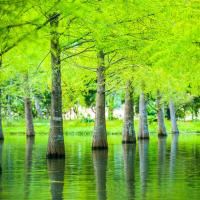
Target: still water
point(167, 168)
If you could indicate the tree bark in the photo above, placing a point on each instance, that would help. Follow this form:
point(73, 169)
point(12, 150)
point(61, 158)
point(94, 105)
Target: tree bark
point(160, 117)
point(100, 165)
point(28, 109)
point(128, 129)
point(100, 135)
point(56, 148)
point(173, 118)
point(143, 124)
point(29, 117)
point(1, 128)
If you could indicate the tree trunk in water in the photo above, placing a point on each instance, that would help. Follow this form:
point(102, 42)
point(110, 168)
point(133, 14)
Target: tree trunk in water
point(173, 117)
point(143, 124)
point(129, 151)
point(37, 106)
point(28, 109)
point(56, 148)
point(56, 171)
point(100, 165)
point(128, 129)
point(1, 128)
point(160, 117)
point(100, 135)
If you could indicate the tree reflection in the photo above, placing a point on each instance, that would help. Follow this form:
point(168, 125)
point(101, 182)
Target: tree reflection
point(56, 169)
point(129, 168)
point(161, 158)
point(28, 165)
point(143, 153)
point(174, 149)
point(100, 165)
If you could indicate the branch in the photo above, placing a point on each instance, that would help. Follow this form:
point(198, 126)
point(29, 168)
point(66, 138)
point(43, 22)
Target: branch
point(80, 52)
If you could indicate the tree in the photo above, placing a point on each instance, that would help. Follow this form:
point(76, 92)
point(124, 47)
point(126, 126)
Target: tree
point(56, 147)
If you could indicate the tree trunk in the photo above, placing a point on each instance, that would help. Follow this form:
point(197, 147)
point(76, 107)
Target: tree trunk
point(1, 128)
point(9, 111)
point(143, 124)
point(129, 151)
point(29, 117)
point(37, 106)
point(111, 102)
point(56, 171)
point(100, 166)
point(56, 148)
point(128, 129)
point(28, 109)
point(160, 117)
point(173, 117)
point(100, 135)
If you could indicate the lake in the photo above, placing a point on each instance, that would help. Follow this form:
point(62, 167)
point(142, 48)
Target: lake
point(161, 168)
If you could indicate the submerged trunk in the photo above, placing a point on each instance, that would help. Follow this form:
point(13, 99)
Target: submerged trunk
point(143, 124)
point(173, 117)
point(1, 128)
point(56, 171)
point(56, 147)
point(100, 166)
point(128, 129)
point(28, 109)
point(160, 116)
point(100, 136)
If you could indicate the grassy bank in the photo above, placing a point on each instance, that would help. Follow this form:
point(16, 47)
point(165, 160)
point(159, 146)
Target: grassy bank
point(78, 127)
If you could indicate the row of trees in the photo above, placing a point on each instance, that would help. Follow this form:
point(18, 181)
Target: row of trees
point(143, 47)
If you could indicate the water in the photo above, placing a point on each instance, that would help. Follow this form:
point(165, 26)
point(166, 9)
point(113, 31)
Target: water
point(156, 169)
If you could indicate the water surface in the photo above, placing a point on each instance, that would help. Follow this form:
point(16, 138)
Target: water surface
point(165, 168)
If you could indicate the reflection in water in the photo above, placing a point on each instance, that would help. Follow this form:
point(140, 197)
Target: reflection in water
point(174, 149)
point(56, 169)
point(1, 182)
point(1, 149)
point(143, 153)
point(28, 165)
point(161, 158)
point(129, 168)
point(100, 165)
